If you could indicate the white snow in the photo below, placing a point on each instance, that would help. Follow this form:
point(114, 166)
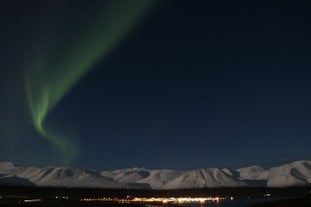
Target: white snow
point(292, 174)
point(253, 172)
point(59, 177)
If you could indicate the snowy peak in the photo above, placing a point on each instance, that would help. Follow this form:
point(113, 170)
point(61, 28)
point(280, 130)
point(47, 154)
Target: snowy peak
point(68, 177)
point(6, 165)
point(57, 177)
point(254, 172)
point(127, 175)
point(172, 179)
point(210, 177)
point(292, 174)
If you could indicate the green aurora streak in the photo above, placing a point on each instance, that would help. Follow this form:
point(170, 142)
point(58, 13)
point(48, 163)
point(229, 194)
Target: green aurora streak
point(57, 69)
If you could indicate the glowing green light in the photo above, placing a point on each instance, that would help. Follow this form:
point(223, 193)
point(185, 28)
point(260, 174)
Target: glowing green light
point(57, 69)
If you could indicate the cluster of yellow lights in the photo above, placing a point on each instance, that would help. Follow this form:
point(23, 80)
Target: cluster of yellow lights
point(178, 200)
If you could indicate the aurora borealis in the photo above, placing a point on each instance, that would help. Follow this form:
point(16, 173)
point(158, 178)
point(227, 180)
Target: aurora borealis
point(54, 72)
point(110, 84)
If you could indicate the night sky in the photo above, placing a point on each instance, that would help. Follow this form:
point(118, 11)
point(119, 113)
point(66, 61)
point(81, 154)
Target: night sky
point(173, 84)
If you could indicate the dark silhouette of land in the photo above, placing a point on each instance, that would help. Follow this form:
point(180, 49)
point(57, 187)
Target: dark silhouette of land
point(49, 197)
point(293, 202)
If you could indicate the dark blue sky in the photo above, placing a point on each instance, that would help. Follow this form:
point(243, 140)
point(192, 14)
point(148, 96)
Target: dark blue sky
point(196, 84)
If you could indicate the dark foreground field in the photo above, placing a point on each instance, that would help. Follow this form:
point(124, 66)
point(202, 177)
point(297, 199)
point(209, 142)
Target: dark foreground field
point(67, 204)
point(73, 197)
point(294, 202)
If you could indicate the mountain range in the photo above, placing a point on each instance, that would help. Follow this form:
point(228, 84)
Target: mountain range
point(296, 173)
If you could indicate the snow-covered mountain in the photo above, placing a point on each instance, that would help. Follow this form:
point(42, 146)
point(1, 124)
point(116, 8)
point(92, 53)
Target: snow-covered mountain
point(55, 177)
point(173, 179)
point(296, 173)
point(292, 174)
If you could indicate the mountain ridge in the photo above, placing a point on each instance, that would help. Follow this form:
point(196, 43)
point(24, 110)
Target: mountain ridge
point(296, 173)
